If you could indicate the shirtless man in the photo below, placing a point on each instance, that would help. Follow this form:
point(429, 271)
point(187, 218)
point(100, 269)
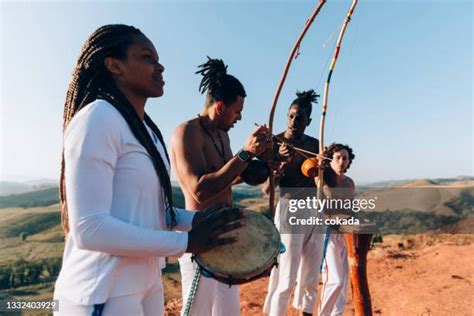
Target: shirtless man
point(335, 266)
point(299, 264)
point(206, 169)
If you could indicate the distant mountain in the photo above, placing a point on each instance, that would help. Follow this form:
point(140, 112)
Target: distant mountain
point(39, 196)
point(10, 187)
point(7, 188)
point(418, 182)
point(382, 184)
point(42, 182)
point(425, 195)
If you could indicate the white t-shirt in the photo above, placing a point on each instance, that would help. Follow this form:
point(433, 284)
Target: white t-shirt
point(118, 237)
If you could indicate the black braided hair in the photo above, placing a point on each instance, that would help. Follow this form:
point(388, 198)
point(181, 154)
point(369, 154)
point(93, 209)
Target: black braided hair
point(305, 99)
point(219, 85)
point(91, 81)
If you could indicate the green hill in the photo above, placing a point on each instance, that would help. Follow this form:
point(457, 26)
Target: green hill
point(30, 223)
point(43, 197)
point(31, 243)
point(47, 197)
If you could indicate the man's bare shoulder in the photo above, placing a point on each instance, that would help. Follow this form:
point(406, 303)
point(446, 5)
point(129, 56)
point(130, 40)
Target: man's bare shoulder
point(190, 124)
point(348, 182)
point(311, 140)
point(189, 130)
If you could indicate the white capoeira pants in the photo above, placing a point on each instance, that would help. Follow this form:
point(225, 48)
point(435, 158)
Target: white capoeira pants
point(212, 298)
point(335, 277)
point(147, 303)
point(298, 268)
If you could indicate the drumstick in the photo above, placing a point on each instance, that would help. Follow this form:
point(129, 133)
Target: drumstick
point(297, 149)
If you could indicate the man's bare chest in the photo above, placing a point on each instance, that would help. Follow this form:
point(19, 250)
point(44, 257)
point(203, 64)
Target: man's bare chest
point(216, 153)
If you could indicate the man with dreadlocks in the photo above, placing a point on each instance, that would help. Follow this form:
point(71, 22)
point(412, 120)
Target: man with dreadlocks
point(206, 168)
point(115, 185)
point(335, 266)
point(303, 246)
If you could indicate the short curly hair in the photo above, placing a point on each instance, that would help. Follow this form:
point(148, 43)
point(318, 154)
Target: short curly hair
point(335, 147)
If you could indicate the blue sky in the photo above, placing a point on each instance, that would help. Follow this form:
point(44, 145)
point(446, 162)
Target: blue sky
point(401, 94)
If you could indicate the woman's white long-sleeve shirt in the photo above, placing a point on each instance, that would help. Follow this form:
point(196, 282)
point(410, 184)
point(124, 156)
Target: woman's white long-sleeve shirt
point(118, 237)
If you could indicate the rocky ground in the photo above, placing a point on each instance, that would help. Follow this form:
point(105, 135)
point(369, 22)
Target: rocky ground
point(428, 274)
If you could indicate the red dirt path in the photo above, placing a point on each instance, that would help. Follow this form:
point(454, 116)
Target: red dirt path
point(418, 275)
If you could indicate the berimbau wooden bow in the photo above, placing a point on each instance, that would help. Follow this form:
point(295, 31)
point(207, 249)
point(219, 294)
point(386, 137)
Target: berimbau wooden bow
point(361, 294)
point(328, 80)
point(292, 55)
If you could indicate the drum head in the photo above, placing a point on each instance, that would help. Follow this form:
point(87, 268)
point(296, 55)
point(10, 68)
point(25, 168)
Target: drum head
point(362, 228)
point(254, 253)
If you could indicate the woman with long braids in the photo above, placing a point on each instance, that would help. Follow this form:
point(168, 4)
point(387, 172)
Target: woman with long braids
point(116, 194)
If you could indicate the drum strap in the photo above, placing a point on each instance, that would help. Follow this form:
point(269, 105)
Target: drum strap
point(192, 291)
point(325, 248)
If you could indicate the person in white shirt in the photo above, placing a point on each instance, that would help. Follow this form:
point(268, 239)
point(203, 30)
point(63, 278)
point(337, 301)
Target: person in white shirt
point(115, 188)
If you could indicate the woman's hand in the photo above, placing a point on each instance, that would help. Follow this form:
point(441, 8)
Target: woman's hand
point(208, 225)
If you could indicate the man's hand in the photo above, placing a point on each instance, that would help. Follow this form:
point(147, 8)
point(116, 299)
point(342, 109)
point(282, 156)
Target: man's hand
point(322, 156)
point(209, 225)
point(286, 153)
point(258, 141)
point(278, 167)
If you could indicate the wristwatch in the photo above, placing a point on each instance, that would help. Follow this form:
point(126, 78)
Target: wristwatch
point(244, 155)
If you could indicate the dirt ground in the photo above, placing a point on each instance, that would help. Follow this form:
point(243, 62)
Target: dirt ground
point(410, 275)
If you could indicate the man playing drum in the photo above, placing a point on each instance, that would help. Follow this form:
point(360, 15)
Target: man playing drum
point(206, 169)
point(299, 265)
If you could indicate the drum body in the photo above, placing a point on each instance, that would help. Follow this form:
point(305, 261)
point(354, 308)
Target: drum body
point(251, 257)
point(357, 239)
